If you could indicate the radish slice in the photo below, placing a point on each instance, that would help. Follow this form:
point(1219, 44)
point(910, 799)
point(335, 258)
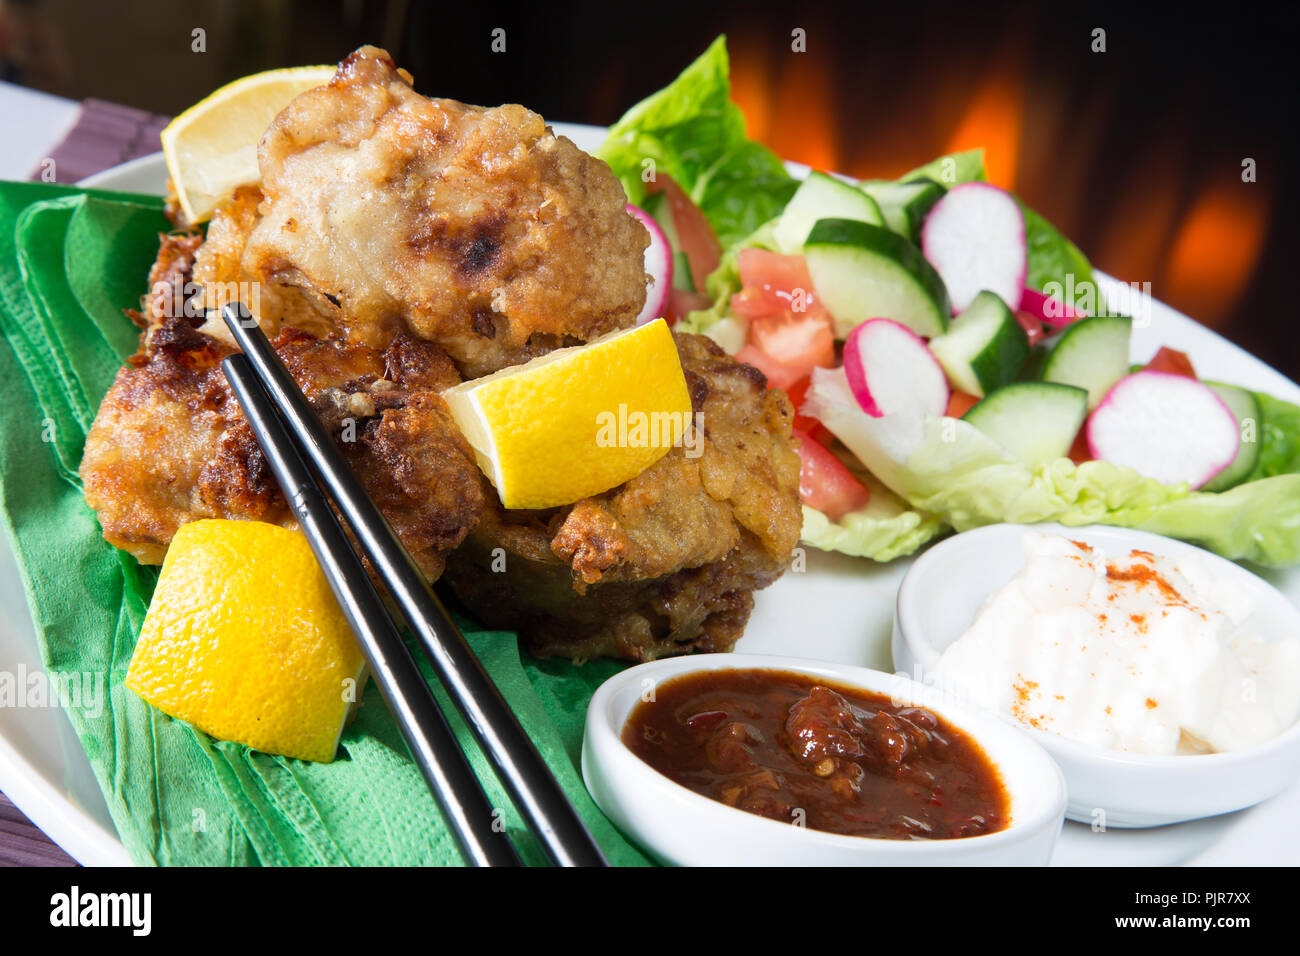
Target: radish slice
point(890, 369)
point(975, 239)
point(1047, 308)
point(1165, 426)
point(659, 265)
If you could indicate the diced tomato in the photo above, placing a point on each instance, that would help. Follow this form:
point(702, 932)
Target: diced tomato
point(1171, 361)
point(959, 403)
point(805, 423)
point(824, 482)
point(1079, 452)
point(694, 234)
point(774, 284)
point(800, 343)
point(1032, 325)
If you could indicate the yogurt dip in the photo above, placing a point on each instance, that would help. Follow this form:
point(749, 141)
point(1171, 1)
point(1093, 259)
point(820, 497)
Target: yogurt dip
point(1135, 653)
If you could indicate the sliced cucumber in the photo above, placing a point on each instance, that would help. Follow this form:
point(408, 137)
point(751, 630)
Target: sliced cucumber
point(904, 205)
point(658, 208)
point(984, 347)
point(861, 272)
point(821, 197)
point(1035, 421)
point(1245, 406)
point(1092, 354)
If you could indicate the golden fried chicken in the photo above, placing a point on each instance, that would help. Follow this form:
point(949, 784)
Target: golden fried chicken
point(666, 563)
point(169, 444)
point(477, 229)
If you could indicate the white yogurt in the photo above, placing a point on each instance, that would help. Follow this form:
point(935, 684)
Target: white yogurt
point(1136, 653)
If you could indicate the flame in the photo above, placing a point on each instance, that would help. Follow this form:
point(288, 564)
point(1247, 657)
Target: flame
point(1215, 251)
point(993, 120)
point(805, 101)
point(749, 74)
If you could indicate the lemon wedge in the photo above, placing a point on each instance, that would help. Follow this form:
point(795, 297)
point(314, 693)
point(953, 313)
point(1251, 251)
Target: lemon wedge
point(211, 148)
point(576, 421)
point(245, 641)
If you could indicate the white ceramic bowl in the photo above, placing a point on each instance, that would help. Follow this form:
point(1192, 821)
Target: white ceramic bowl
point(939, 599)
point(679, 826)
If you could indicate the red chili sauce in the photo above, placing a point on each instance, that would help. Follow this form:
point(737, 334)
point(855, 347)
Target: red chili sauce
point(794, 748)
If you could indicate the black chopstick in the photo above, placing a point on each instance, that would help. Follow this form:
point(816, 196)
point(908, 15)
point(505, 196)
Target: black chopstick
point(465, 806)
point(532, 787)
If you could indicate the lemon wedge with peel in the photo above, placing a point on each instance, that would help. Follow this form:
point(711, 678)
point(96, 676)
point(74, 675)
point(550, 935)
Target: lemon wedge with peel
point(211, 148)
point(245, 641)
point(576, 421)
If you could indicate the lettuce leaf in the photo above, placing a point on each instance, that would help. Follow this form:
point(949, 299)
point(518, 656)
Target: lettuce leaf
point(885, 529)
point(691, 131)
point(948, 468)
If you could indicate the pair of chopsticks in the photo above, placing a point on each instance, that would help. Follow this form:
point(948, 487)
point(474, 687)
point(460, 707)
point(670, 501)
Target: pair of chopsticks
point(298, 449)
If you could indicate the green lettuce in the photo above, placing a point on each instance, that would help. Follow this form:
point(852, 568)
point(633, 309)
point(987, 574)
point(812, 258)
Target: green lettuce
point(691, 131)
point(885, 529)
point(948, 468)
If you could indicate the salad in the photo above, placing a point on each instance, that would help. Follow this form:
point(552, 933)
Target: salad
point(949, 355)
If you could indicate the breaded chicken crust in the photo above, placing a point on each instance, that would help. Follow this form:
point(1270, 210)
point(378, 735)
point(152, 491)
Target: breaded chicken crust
point(169, 443)
point(478, 229)
point(666, 563)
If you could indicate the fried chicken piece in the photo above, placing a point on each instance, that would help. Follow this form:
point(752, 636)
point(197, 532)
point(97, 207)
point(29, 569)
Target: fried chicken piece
point(218, 269)
point(666, 563)
point(475, 228)
point(169, 443)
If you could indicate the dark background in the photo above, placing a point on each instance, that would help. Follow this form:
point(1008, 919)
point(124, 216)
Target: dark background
point(1136, 153)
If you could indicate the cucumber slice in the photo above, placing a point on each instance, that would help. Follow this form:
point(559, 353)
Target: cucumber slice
point(1035, 421)
point(1092, 354)
point(984, 347)
point(861, 272)
point(1245, 406)
point(904, 205)
point(821, 197)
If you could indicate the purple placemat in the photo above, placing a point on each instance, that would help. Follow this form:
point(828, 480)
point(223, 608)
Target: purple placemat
point(104, 135)
point(22, 844)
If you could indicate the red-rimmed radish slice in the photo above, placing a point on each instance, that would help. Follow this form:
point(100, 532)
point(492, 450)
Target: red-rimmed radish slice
point(975, 239)
point(659, 266)
point(1165, 426)
point(1047, 308)
point(890, 369)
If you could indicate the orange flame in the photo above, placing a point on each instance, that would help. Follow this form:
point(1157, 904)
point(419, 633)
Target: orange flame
point(993, 121)
point(1215, 251)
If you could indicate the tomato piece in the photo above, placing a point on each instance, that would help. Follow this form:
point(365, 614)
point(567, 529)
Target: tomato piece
point(805, 423)
point(1079, 452)
point(775, 284)
point(959, 403)
point(1032, 325)
point(1172, 361)
point(824, 482)
point(796, 340)
point(695, 236)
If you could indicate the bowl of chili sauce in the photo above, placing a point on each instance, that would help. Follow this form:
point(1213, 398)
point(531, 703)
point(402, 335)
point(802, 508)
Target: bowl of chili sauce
point(732, 759)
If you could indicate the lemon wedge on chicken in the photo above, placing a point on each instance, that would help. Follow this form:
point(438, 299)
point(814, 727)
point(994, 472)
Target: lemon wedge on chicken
point(211, 148)
point(576, 421)
point(245, 641)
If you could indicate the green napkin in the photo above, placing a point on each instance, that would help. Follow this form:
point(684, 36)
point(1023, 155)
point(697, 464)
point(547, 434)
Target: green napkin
point(70, 261)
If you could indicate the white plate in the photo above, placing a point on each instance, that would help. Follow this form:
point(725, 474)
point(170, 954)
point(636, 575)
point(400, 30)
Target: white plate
point(838, 609)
